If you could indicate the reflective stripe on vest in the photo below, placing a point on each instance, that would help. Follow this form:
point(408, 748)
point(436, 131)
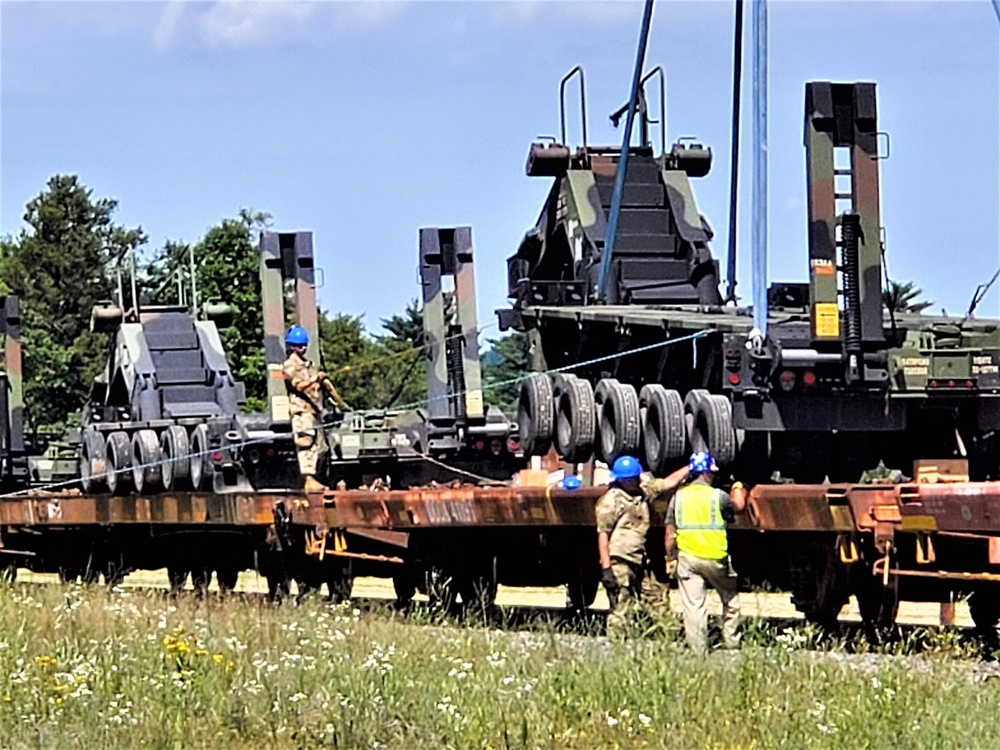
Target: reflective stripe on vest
point(701, 529)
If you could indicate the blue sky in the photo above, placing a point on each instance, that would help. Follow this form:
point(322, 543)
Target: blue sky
point(366, 121)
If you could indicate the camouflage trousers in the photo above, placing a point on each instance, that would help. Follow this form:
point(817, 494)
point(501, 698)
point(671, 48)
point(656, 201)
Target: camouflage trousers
point(694, 575)
point(630, 600)
point(309, 442)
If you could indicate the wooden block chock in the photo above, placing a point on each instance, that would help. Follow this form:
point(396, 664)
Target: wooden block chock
point(938, 470)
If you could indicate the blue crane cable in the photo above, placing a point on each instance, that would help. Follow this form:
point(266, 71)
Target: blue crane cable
point(759, 221)
point(616, 196)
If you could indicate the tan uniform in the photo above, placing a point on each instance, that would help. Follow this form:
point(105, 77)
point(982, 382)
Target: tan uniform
point(305, 405)
point(625, 519)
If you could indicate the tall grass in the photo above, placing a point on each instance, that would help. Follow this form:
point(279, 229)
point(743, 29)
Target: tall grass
point(91, 668)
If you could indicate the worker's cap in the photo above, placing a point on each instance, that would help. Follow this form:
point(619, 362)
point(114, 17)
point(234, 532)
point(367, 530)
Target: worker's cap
point(702, 463)
point(625, 467)
point(297, 336)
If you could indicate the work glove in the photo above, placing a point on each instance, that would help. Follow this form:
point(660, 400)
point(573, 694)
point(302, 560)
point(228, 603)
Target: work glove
point(671, 566)
point(610, 584)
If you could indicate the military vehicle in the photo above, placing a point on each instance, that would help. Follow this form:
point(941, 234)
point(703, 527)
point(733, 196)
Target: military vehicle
point(164, 413)
point(653, 362)
point(455, 436)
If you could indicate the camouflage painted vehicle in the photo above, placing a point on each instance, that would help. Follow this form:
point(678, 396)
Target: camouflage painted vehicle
point(400, 448)
point(657, 365)
point(165, 412)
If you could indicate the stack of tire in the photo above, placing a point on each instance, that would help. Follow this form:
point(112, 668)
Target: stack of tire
point(145, 460)
point(612, 420)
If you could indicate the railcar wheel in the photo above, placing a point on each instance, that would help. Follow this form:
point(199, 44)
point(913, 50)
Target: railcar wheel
point(146, 462)
point(575, 419)
point(339, 576)
point(200, 466)
point(93, 462)
point(175, 449)
point(664, 436)
point(984, 607)
point(119, 449)
point(227, 576)
point(619, 427)
point(534, 414)
point(877, 604)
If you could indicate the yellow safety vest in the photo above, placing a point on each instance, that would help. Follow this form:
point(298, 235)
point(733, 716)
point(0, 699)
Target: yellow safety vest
point(701, 529)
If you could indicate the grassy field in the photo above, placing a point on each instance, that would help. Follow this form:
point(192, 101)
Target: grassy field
point(92, 668)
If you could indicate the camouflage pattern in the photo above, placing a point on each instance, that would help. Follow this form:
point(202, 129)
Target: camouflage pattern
point(661, 244)
point(841, 118)
point(288, 296)
point(12, 448)
point(625, 518)
point(305, 400)
point(451, 331)
point(630, 601)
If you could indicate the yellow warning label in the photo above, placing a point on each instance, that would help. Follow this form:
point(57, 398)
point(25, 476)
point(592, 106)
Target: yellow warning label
point(474, 403)
point(827, 320)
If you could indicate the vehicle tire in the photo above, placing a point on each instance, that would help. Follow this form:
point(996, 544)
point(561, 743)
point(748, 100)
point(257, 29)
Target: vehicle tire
point(404, 584)
point(93, 462)
point(175, 449)
point(664, 436)
point(575, 419)
point(714, 420)
point(535, 415)
point(619, 428)
point(119, 449)
point(697, 440)
point(877, 604)
point(146, 462)
point(198, 461)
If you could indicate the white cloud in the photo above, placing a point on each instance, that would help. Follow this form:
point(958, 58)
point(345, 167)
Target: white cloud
point(240, 23)
point(247, 23)
point(167, 27)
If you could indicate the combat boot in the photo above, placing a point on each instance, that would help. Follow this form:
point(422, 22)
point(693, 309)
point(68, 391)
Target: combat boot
point(312, 484)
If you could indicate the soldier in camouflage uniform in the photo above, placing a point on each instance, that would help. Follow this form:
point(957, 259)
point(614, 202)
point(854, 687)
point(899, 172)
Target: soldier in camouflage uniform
point(623, 518)
point(305, 405)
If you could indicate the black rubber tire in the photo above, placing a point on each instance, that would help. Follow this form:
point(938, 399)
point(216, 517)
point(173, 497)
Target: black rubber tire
point(175, 448)
point(93, 462)
point(697, 440)
point(664, 436)
point(146, 462)
point(119, 448)
point(714, 419)
point(619, 427)
point(404, 584)
point(199, 462)
point(575, 419)
point(535, 415)
point(877, 604)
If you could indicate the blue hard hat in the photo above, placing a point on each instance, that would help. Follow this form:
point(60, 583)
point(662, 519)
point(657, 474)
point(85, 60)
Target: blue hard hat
point(297, 336)
point(702, 463)
point(571, 482)
point(626, 467)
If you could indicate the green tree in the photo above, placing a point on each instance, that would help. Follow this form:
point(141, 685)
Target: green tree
point(503, 364)
point(402, 371)
point(902, 297)
point(60, 266)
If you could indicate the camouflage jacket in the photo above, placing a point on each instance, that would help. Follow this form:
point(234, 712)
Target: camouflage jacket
point(305, 394)
point(626, 518)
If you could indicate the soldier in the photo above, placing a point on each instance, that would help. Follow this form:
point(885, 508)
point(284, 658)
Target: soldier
point(622, 525)
point(305, 404)
point(696, 538)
